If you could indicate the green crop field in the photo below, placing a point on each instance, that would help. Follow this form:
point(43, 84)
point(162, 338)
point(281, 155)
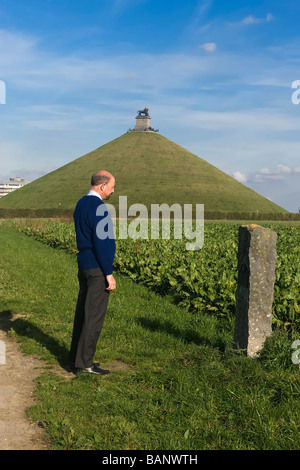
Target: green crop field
point(199, 280)
point(176, 383)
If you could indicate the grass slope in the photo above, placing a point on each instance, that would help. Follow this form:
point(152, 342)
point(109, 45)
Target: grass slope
point(148, 169)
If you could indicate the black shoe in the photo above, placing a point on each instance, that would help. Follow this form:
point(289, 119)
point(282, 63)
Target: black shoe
point(94, 370)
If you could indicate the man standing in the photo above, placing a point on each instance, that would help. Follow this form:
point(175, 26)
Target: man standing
point(96, 250)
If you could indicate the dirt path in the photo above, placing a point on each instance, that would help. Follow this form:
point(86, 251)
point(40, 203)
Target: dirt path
point(17, 385)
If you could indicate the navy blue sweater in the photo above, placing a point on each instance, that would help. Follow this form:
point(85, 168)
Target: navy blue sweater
point(95, 242)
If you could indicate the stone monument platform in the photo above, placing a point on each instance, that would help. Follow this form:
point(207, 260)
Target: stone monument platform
point(143, 122)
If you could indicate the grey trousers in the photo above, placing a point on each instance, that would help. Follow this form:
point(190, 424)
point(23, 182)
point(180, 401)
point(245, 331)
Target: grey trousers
point(89, 316)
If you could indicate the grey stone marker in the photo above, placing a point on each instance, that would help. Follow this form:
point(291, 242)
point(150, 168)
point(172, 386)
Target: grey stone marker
point(255, 287)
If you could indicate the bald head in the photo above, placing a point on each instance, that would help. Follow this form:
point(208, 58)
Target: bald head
point(103, 183)
point(100, 177)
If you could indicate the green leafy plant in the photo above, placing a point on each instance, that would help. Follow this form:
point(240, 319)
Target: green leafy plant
point(203, 280)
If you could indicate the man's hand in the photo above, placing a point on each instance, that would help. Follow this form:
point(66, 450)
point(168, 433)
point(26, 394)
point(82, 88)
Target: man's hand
point(111, 283)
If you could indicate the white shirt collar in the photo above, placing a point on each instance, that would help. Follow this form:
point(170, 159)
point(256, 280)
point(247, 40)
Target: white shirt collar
point(93, 193)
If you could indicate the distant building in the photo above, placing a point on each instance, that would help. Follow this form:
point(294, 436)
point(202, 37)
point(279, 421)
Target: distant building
point(11, 185)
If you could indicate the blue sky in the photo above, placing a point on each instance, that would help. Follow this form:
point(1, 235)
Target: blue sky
point(216, 76)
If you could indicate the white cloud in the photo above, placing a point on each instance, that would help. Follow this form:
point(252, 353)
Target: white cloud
point(283, 169)
point(253, 20)
point(16, 52)
point(241, 177)
point(278, 173)
point(157, 73)
point(209, 46)
point(241, 120)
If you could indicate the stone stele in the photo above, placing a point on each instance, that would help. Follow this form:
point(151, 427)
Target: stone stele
point(255, 287)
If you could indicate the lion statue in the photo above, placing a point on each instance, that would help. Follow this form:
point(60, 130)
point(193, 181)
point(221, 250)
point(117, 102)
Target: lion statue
point(145, 111)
